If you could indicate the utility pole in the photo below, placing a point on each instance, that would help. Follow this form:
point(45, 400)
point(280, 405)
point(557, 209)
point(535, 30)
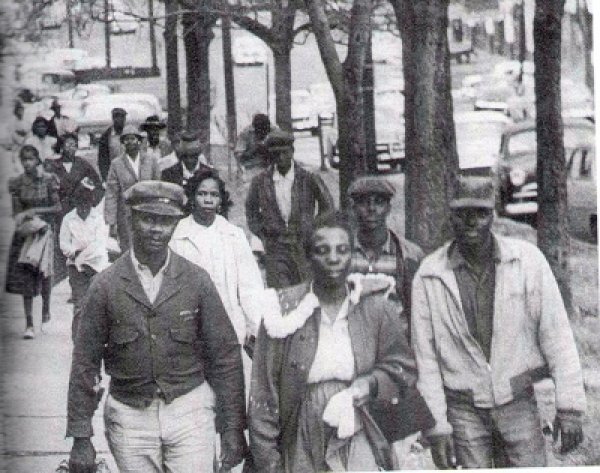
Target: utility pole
point(107, 33)
point(70, 23)
point(152, 35)
point(229, 88)
point(369, 108)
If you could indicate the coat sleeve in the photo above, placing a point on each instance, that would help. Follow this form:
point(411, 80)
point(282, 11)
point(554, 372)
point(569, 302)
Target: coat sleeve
point(253, 212)
point(322, 194)
point(429, 382)
point(222, 357)
point(87, 358)
point(104, 155)
point(250, 283)
point(111, 197)
point(557, 342)
point(263, 408)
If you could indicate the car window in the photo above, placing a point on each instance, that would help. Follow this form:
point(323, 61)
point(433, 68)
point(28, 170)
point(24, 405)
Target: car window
point(526, 141)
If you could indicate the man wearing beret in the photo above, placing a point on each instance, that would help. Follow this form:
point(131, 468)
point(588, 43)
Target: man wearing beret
point(488, 321)
point(109, 145)
point(379, 249)
point(175, 364)
point(280, 209)
point(130, 167)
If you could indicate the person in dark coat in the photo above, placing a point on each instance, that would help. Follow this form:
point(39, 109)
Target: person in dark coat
point(159, 326)
point(323, 352)
point(155, 145)
point(281, 206)
point(109, 145)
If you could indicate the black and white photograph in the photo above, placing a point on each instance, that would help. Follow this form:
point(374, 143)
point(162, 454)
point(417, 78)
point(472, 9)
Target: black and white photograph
point(298, 236)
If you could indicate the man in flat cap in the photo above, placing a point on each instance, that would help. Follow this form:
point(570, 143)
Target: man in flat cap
point(377, 248)
point(130, 167)
point(488, 321)
point(175, 364)
point(155, 145)
point(188, 160)
point(109, 145)
point(280, 209)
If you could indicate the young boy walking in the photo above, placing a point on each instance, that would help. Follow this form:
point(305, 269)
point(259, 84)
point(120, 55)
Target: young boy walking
point(83, 238)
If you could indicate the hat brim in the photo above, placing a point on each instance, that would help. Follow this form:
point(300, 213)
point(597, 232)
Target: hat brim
point(471, 203)
point(159, 208)
point(139, 137)
point(145, 126)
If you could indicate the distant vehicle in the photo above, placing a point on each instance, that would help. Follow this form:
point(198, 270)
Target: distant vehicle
point(248, 51)
point(390, 145)
point(46, 80)
point(84, 91)
point(304, 117)
point(478, 139)
point(517, 163)
point(122, 23)
point(123, 100)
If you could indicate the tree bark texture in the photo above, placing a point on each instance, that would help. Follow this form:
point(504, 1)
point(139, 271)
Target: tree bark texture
point(553, 237)
point(346, 80)
point(197, 37)
point(431, 158)
point(172, 69)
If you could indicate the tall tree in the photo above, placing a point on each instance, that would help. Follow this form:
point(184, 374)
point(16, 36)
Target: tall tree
point(198, 23)
point(553, 238)
point(431, 157)
point(172, 68)
point(346, 81)
point(585, 22)
point(279, 37)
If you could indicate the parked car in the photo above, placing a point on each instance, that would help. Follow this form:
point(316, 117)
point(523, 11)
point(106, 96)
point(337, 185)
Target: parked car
point(46, 80)
point(517, 166)
point(123, 100)
point(248, 51)
point(84, 91)
point(478, 139)
point(304, 117)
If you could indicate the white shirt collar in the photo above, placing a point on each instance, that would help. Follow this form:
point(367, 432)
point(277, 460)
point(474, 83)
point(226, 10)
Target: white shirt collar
point(277, 176)
point(188, 174)
point(139, 267)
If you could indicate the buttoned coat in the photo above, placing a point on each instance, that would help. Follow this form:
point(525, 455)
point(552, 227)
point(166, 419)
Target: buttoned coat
point(181, 339)
point(121, 177)
point(281, 367)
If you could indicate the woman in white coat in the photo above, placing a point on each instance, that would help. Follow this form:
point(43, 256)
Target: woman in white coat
point(207, 239)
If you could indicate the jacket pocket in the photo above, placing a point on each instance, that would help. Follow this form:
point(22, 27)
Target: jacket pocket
point(124, 352)
point(124, 335)
point(183, 335)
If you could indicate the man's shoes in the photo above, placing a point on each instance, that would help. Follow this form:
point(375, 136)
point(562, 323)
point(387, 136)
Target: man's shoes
point(29, 334)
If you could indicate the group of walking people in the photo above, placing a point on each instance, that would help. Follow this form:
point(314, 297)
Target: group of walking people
point(355, 340)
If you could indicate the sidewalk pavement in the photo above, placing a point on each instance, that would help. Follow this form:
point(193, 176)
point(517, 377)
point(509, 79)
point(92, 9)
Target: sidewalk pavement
point(34, 388)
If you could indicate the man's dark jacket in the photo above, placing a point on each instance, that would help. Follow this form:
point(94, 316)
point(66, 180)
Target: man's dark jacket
point(176, 343)
point(104, 152)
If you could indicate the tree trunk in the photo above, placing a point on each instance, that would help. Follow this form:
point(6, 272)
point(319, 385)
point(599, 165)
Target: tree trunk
point(585, 21)
point(346, 81)
point(283, 85)
point(553, 238)
point(431, 157)
point(172, 69)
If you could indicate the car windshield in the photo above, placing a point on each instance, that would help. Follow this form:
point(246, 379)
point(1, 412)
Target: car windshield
point(526, 141)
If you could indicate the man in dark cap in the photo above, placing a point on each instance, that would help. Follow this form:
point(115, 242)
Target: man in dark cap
point(280, 209)
point(250, 151)
point(59, 124)
point(156, 146)
point(157, 322)
point(378, 248)
point(488, 321)
point(189, 160)
point(130, 167)
point(109, 145)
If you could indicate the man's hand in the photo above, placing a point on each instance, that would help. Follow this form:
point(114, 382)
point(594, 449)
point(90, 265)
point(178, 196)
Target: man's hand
point(442, 451)
point(83, 456)
point(571, 430)
point(233, 449)
point(362, 389)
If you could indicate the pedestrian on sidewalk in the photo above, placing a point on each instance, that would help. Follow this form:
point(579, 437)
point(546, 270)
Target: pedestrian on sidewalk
point(39, 137)
point(250, 151)
point(109, 145)
point(208, 239)
point(132, 166)
point(83, 239)
point(156, 146)
point(281, 206)
point(35, 204)
point(488, 322)
point(159, 326)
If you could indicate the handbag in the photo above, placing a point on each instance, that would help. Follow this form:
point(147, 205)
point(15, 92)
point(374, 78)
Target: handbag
point(401, 416)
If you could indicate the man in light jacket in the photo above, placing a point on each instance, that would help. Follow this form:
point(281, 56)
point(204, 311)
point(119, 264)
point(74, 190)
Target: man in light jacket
point(488, 321)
